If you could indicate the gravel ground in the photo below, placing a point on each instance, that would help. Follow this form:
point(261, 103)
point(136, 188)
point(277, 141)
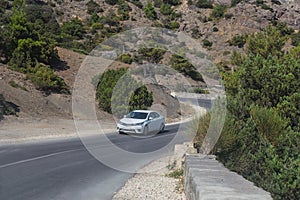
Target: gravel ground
point(156, 185)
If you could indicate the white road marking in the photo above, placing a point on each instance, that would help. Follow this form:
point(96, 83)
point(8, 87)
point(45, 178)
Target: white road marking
point(37, 158)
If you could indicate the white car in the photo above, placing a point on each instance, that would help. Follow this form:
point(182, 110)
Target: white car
point(141, 122)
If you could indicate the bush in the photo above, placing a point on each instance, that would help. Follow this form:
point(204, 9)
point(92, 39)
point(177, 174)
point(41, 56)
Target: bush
point(152, 55)
point(44, 78)
point(296, 39)
point(266, 43)
point(215, 29)
point(238, 40)
point(126, 58)
point(111, 2)
point(207, 43)
point(165, 9)
point(268, 123)
point(93, 7)
point(16, 85)
point(173, 25)
point(172, 2)
point(74, 28)
point(105, 87)
point(266, 7)
point(141, 99)
point(123, 8)
point(7, 108)
point(204, 4)
point(117, 98)
point(150, 11)
point(178, 173)
point(184, 66)
point(218, 11)
point(261, 138)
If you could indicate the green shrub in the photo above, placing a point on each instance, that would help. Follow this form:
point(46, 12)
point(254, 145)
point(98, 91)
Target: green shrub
point(74, 28)
point(259, 2)
point(200, 91)
point(111, 2)
point(105, 87)
point(207, 43)
point(152, 55)
point(261, 138)
point(266, 7)
point(200, 126)
point(118, 93)
point(150, 11)
point(296, 39)
point(215, 29)
point(172, 2)
point(126, 58)
point(16, 85)
point(238, 40)
point(140, 99)
point(266, 43)
point(184, 66)
point(7, 108)
point(282, 27)
point(218, 11)
point(204, 4)
point(123, 10)
point(178, 173)
point(44, 78)
point(173, 25)
point(268, 123)
point(165, 9)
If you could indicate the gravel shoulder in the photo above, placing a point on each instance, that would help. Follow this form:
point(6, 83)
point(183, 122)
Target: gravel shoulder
point(153, 185)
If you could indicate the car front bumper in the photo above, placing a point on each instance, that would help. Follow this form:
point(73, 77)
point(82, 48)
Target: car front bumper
point(130, 129)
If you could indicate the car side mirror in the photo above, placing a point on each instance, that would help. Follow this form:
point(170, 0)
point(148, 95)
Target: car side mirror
point(150, 118)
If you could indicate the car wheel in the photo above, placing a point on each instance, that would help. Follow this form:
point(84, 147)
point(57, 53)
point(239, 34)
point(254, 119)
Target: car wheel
point(146, 130)
point(162, 128)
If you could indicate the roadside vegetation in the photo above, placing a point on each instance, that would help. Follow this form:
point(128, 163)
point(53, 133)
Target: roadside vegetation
point(261, 136)
point(6, 108)
point(119, 93)
point(27, 44)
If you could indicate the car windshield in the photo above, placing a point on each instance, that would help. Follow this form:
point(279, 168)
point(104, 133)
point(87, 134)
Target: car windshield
point(137, 115)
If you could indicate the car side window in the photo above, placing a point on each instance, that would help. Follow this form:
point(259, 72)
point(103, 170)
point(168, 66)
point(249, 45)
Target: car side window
point(152, 115)
point(156, 115)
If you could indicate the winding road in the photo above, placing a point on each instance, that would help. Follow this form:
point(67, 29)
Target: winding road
point(67, 169)
point(64, 169)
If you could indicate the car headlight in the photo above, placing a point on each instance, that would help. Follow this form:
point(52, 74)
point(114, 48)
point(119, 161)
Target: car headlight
point(138, 124)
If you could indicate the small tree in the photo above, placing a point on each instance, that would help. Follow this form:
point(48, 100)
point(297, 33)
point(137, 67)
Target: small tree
point(150, 11)
point(140, 99)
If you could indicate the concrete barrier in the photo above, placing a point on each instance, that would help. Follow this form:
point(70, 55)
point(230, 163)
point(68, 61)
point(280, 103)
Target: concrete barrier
point(208, 179)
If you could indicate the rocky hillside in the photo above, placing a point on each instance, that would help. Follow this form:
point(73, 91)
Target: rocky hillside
point(220, 26)
point(238, 17)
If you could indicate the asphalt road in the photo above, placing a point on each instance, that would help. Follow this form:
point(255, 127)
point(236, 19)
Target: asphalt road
point(65, 169)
